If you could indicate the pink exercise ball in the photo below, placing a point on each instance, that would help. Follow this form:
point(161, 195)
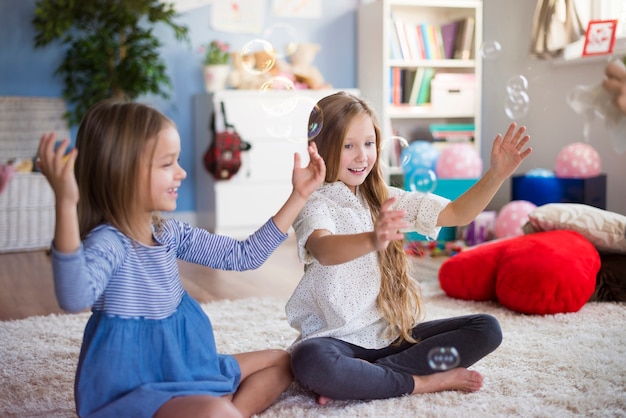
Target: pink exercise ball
point(577, 160)
point(512, 217)
point(459, 161)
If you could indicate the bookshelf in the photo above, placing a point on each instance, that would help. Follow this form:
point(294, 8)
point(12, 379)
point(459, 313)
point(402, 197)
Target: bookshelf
point(391, 43)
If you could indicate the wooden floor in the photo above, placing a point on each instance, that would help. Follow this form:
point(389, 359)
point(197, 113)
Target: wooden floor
point(27, 289)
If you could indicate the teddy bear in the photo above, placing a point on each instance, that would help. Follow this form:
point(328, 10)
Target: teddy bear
point(302, 67)
point(252, 71)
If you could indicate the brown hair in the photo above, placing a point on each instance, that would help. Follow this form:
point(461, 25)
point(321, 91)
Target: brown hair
point(111, 140)
point(400, 298)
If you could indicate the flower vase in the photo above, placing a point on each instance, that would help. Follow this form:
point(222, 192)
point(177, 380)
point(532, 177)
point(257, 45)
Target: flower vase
point(216, 77)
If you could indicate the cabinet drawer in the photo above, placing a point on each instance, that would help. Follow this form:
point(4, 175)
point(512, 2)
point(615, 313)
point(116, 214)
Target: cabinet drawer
point(247, 206)
point(270, 160)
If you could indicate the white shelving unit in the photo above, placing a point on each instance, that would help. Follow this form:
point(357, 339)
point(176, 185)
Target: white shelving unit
point(375, 28)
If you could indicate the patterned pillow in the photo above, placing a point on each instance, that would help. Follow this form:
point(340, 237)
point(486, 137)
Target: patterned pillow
point(605, 230)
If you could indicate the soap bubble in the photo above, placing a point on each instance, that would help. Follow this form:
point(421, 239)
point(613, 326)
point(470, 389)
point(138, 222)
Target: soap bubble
point(277, 83)
point(443, 358)
point(282, 36)
point(279, 104)
point(490, 49)
point(258, 56)
point(419, 154)
point(422, 180)
point(315, 123)
point(517, 84)
point(517, 102)
point(517, 105)
point(392, 152)
point(584, 101)
point(593, 101)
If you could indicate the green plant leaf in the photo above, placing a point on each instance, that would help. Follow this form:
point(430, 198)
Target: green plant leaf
point(111, 50)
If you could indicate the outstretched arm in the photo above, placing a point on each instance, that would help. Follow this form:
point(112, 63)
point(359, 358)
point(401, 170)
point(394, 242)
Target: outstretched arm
point(507, 153)
point(59, 171)
point(330, 249)
point(305, 181)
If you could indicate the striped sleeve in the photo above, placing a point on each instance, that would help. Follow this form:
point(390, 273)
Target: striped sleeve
point(81, 277)
point(197, 245)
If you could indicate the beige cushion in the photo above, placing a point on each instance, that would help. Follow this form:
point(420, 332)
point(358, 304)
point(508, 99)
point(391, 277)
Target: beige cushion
point(604, 229)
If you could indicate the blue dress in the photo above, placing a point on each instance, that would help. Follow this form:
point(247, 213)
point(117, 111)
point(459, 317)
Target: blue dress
point(147, 340)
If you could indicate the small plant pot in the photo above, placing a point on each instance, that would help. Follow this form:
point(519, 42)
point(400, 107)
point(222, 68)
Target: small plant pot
point(216, 77)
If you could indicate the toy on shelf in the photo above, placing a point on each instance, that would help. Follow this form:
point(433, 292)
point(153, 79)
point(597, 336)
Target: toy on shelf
point(252, 71)
point(303, 69)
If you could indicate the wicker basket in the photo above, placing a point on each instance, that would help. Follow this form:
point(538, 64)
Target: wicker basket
point(27, 203)
point(26, 213)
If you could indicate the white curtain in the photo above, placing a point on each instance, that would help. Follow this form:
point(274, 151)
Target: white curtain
point(556, 24)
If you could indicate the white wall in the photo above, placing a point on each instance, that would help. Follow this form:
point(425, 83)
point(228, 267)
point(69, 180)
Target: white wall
point(551, 123)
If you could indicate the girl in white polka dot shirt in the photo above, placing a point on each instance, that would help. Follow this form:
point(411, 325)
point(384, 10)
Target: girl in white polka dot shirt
point(359, 313)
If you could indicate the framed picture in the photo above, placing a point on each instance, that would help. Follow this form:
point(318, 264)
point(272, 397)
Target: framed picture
point(600, 37)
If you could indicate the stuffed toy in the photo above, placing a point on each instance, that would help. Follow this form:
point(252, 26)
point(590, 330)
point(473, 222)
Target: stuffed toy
point(303, 69)
point(541, 273)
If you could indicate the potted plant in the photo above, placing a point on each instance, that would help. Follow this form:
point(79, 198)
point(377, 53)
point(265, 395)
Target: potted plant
point(111, 50)
point(216, 65)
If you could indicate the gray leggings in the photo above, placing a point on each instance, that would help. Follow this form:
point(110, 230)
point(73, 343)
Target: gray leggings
point(340, 370)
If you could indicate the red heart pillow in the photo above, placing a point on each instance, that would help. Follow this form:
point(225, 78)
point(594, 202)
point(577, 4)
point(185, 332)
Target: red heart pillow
point(548, 272)
point(471, 274)
point(541, 273)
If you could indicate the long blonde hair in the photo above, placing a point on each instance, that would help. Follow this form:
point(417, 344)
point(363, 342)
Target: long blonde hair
point(111, 140)
point(400, 297)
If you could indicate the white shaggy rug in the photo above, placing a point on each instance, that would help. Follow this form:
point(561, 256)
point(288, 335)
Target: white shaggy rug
point(567, 365)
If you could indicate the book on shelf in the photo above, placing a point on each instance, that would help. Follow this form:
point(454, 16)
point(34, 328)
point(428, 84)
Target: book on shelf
point(410, 86)
point(394, 43)
point(417, 83)
point(448, 33)
point(403, 39)
point(436, 41)
point(465, 39)
point(450, 40)
point(408, 79)
point(396, 85)
point(423, 96)
point(426, 41)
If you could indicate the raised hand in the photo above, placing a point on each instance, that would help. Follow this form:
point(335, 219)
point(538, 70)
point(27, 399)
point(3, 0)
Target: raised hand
point(388, 225)
point(615, 83)
point(508, 152)
point(307, 179)
point(58, 168)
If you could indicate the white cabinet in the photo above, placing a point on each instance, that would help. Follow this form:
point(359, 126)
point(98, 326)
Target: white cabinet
point(275, 124)
point(376, 63)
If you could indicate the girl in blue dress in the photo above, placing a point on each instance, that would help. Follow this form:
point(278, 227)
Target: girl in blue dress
point(148, 348)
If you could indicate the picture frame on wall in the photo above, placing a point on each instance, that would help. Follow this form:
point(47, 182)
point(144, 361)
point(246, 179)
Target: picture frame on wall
point(600, 37)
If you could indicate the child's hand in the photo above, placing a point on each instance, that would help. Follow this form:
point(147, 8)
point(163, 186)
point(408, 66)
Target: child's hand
point(388, 225)
point(58, 168)
point(615, 83)
point(307, 179)
point(508, 153)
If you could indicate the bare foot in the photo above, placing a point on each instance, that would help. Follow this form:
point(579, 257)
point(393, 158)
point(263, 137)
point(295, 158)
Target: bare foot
point(455, 379)
point(322, 400)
